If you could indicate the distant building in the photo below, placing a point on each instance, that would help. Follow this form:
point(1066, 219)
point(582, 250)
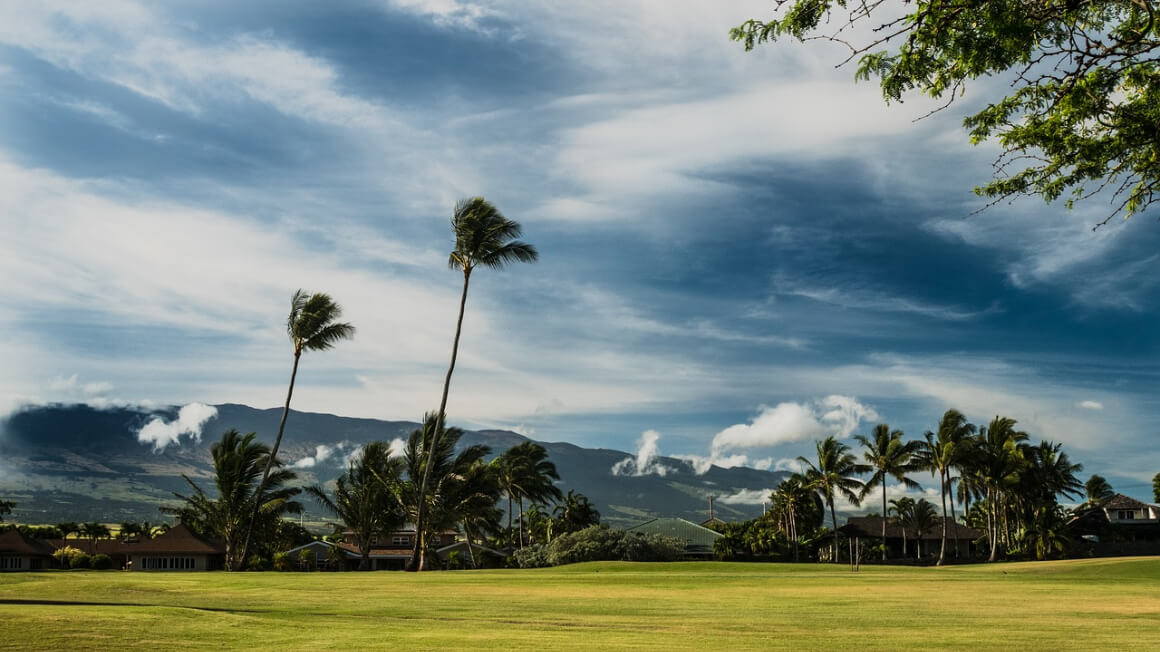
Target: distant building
point(21, 553)
point(178, 549)
point(698, 540)
point(870, 529)
point(1123, 510)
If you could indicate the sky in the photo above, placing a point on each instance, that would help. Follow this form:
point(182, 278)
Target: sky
point(739, 252)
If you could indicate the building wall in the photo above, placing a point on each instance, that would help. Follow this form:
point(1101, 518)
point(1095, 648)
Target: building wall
point(16, 563)
point(169, 562)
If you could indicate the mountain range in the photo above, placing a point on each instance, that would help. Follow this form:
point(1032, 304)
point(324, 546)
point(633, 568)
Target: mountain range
point(82, 463)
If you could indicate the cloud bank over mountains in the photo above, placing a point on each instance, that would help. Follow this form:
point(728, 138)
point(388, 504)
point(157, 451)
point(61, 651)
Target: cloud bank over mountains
point(189, 422)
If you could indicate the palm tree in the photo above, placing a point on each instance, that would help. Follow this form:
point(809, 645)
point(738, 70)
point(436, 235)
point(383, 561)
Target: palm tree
point(483, 236)
point(834, 475)
point(238, 461)
point(920, 518)
point(462, 492)
point(575, 513)
point(66, 528)
point(1097, 490)
point(940, 454)
point(1000, 463)
point(793, 502)
point(903, 509)
point(312, 326)
point(365, 498)
point(524, 472)
point(888, 457)
point(94, 531)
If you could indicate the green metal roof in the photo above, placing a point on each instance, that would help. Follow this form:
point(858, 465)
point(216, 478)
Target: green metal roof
point(696, 538)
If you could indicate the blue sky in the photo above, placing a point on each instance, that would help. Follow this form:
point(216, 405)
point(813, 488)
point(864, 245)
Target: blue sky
point(740, 252)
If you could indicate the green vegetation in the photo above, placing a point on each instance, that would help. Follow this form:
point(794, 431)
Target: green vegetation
point(601, 543)
point(1068, 605)
point(312, 326)
point(483, 236)
point(1085, 79)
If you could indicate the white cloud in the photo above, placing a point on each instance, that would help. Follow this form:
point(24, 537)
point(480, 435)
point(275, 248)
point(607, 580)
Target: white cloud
point(747, 497)
point(645, 462)
point(322, 453)
point(188, 423)
point(398, 447)
point(1090, 405)
point(789, 422)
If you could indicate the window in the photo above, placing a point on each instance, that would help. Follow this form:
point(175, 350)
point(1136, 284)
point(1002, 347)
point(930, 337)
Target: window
point(401, 541)
point(11, 563)
point(1126, 515)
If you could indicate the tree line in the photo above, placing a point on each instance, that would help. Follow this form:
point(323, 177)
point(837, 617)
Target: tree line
point(992, 475)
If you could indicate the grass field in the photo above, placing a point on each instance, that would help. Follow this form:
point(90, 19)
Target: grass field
point(1072, 605)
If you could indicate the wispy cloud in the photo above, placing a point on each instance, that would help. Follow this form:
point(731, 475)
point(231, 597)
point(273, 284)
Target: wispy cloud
point(189, 422)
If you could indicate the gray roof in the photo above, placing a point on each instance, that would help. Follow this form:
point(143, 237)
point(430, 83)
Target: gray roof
point(696, 538)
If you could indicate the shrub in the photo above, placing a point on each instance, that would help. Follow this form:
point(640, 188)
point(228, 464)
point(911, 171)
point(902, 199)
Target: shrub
point(282, 562)
point(81, 560)
point(306, 559)
point(258, 563)
point(601, 543)
point(70, 557)
point(101, 562)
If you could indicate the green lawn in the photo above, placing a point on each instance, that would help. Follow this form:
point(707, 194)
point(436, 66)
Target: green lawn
point(1071, 605)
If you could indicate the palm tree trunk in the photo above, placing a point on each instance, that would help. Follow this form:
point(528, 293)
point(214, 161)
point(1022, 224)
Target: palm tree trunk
point(903, 542)
point(510, 530)
point(993, 524)
point(834, 520)
point(364, 564)
point(942, 550)
point(954, 518)
point(883, 520)
point(439, 419)
point(521, 501)
point(269, 463)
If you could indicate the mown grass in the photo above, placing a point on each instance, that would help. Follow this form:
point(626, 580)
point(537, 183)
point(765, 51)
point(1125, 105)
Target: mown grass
point(1070, 605)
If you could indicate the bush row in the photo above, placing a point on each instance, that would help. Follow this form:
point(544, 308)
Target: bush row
point(601, 543)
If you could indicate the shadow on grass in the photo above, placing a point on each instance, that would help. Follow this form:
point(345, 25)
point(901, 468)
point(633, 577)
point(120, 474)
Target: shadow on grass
point(81, 603)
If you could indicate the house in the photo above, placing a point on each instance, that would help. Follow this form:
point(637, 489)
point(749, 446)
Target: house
point(116, 550)
point(392, 550)
point(347, 556)
point(20, 553)
point(698, 540)
point(870, 529)
point(178, 549)
point(1123, 510)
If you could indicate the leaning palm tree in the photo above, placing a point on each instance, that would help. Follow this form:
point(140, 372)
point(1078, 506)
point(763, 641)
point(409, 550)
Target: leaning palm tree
point(312, 326)
point(238, 461)
point(1000, 462)
point(888, 457)
point(364, 498)
point(834, 475)
point(956, 435)
point(483, 236)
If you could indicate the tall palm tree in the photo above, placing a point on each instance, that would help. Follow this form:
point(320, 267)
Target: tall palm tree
point(312, 326)
point(1096, 490)
point(834, 475)
point(364, 496)
point(1000, 463)
point(524, 472)
point(238, 461)
point(888, 457)
point(483, 236)
point(940, 454)
point(575, 513)
point(793, 502)
point(66, 528)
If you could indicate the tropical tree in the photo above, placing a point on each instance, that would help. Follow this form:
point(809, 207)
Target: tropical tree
point(1097, 490)
point(524, 472)
point(797, 509)
point(238, 461)
point(365, 496)
point(462, 490)
point(312, 326)
point(940, 454)
point(66, 528)
point(574, 513)
point(1156, 487)
point(833, 475)
point(94, 531)
point(888, 457)
point(1001, 461)
point(920, 518)
point(902, 508)
point(1082, 112)
point(483, 236)
point(6, 507)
